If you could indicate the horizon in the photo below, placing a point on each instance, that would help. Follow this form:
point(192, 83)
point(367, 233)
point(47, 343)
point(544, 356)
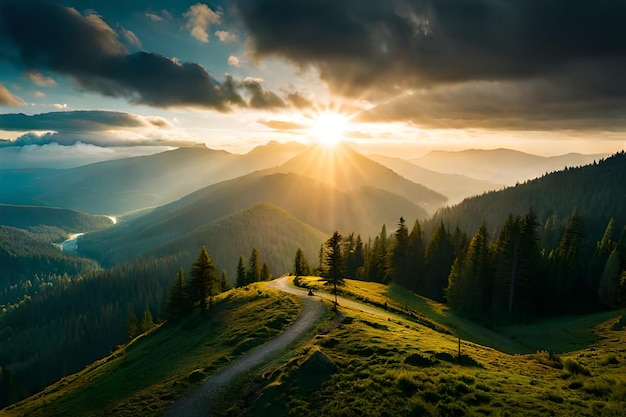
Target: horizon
point(230, 75)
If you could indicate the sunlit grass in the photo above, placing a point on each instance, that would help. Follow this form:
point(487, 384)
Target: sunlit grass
point(390, 365)
point(145, 376)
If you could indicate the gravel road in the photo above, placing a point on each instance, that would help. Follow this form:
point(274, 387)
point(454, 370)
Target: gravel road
point(198, 401)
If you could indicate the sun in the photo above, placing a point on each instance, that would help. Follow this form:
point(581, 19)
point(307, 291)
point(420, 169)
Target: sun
point(329, 128)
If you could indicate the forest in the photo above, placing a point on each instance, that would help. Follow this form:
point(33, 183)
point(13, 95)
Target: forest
point(551, 246)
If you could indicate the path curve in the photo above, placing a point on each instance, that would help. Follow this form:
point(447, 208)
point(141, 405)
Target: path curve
point(198, 402)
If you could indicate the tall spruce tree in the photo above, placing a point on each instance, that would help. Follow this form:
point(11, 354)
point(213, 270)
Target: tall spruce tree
point(469, 282)
point(177, 300)
point(266, 274)
point(439, 257)
point(415, 261)
point(254, 272)
point(224, 282)
point(301, 265)
point(335, 261)
point(203, 281)
point(242, 276)
point(399, 255)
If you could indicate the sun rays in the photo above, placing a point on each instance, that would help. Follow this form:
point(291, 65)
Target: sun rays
point(329, 128)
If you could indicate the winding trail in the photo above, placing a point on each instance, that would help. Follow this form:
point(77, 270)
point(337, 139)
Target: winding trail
point(198, 401)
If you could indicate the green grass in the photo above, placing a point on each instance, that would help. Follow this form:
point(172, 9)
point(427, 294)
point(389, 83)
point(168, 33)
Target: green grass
point(142, 378)
point(388, 364)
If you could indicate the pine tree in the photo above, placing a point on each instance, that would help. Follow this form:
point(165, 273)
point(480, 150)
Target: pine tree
point(439, 257)
point(335, 261)
point(301, 265)
point(400, 254)
point(266, 274)
point(147, 322)
point(242, 276)
point(132, 326)
point(224, 282)
point(254, 273)
point(177, 300)
point(203, 281)
point(468, 286)
point(415, 261)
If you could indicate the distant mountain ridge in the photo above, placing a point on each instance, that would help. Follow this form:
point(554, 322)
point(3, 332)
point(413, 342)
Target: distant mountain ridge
point(455, 187)
point(26, 217)
point(123, 185)
point(500, 165)
point(595, 191)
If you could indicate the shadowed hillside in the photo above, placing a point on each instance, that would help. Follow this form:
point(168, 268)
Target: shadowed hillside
point(314, 203)
point(26, 217)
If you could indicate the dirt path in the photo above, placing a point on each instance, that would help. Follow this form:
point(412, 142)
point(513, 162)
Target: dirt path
point(199, 400)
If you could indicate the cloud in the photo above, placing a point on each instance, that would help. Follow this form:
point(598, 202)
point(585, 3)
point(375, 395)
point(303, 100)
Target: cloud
point(298, 101)
point(225, 36)
point(283, 125)
point(379, 49)
point(99, 139)
point(154, 17)
point(39, 79)
point(199, 18)
point(78, 121)
point(8, 99)
point(90, 51)
point(39, 94)
point(233, 61)
point(130, 37)
point(260, 97)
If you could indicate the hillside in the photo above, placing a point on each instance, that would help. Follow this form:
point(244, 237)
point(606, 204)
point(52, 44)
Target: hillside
point(500, 165)
point(71, 221)
point(346, 169)
point(596, 191)
point(275, 233)
point(454, 186)
point(123, 185)
point(402, 360)
point(312, 202)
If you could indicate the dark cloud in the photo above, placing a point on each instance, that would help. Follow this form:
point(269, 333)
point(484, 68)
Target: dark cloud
point(382, 48)
point(78, 121)
point(45, 35)
point(261, 98)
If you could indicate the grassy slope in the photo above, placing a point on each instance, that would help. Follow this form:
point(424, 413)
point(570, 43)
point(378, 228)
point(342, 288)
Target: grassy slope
point(145, 376)
point(390, 365)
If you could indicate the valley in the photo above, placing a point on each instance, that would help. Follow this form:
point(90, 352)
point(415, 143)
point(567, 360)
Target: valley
point(420, 275)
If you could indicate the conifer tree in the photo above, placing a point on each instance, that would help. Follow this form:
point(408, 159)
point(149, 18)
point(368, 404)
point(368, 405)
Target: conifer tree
point(335, 261)
point(132, 326)
point(400, 254)
point(147, 322)
point(224, 282)
point(242, 276)
point(177, 300)
point(266, 274)
point(203, 281)
point(468, 287)
point(439, 257)
point(301, 265)
point(254, 273)
point(415, 262)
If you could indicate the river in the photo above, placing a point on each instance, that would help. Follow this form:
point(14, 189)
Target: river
point(71, 243)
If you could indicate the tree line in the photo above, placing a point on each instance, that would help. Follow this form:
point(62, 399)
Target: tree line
point(511, 277)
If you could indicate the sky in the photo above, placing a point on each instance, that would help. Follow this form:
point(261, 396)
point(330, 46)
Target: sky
point(112, 78)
